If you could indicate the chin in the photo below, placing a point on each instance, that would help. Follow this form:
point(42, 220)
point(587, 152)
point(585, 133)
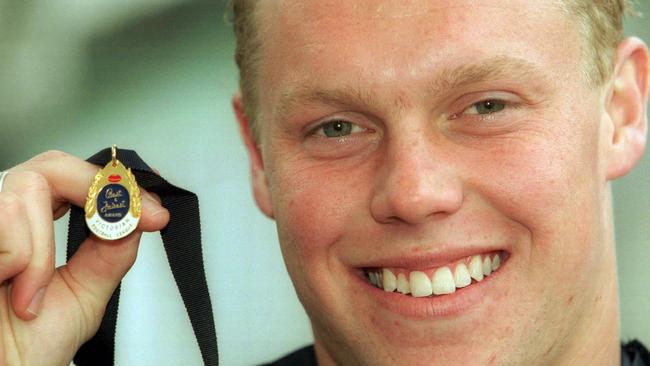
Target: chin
point(364, 317)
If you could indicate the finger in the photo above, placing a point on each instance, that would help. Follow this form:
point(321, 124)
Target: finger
point(154, 216)
point(15, 236)
point(96, 269)
point(70, 177)
point(29, 285)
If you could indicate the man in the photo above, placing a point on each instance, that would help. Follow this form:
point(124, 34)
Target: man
point(439, 172)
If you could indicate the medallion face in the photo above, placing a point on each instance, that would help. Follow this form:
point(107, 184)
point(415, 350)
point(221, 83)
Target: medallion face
point(113, 205)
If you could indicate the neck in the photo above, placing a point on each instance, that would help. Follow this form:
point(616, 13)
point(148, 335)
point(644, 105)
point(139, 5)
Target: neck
point(322, 356)
point(596, 340)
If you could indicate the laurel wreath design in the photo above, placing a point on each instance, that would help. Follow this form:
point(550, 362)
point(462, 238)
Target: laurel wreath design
point(136, 204)
point(93, 191)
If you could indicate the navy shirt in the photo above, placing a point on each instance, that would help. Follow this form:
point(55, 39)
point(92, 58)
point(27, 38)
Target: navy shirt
point(634, 354)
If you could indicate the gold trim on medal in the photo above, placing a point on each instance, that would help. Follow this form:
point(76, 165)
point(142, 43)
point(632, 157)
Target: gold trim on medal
point(113, 207)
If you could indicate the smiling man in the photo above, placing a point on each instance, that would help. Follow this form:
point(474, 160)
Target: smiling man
point(440, 172)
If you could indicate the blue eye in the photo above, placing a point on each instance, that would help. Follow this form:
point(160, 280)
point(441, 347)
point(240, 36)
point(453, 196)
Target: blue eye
point(337, 128)
point(485, 107)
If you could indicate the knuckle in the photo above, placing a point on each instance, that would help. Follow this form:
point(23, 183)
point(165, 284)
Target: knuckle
point(20, 258)
point(33, 181)
point(11, 206)
point(50, 155)
point(13, 262)
point(46, 157)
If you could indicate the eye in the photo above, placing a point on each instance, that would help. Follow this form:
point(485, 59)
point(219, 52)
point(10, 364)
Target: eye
point(337, 128)
point(485, 107)
point(338, 137)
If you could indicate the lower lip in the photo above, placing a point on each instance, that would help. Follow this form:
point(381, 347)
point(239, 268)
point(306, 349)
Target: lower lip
point(437, 306)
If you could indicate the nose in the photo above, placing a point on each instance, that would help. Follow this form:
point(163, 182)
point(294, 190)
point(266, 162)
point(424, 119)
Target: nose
point(416, 181)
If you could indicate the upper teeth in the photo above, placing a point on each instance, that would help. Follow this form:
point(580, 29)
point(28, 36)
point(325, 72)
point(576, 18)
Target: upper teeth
point(403, 285)
point(476, 268)
point(461, 276)
point(420, 284)
point(390, 281)
point(442, 281)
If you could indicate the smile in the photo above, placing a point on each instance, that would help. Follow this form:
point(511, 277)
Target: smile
point(443, 280)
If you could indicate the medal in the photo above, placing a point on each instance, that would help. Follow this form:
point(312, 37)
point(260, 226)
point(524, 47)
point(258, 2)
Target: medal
point(113, 204)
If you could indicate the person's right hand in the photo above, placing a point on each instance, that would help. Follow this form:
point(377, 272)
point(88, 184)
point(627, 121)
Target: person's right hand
point(47, 313)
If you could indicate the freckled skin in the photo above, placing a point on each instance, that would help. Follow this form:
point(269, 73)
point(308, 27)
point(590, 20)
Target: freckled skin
point(533, 179)
point(492, 360)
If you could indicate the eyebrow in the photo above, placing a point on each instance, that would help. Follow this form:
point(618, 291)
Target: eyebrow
point(457, 77)
point(345, 97)
point(496, 68)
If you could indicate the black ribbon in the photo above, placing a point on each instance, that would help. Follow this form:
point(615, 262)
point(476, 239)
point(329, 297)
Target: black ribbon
point(182, 241)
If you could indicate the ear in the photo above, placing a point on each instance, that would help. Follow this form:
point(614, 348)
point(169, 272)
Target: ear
point(627, 108)
point(258, 176)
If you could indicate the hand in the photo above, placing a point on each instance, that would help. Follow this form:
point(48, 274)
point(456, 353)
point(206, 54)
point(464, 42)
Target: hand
point(47, 313)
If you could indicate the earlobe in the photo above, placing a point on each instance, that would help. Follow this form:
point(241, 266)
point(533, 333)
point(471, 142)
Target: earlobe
point(259, 182)
point(627, 107)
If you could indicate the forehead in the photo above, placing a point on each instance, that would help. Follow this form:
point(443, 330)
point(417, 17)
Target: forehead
point(320, 22)
point(384, 42)
point(293, 12)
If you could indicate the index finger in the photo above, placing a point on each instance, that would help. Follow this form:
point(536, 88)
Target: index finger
point(69, 178)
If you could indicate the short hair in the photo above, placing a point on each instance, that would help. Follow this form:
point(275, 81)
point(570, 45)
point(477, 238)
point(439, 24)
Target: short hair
point(599, 22)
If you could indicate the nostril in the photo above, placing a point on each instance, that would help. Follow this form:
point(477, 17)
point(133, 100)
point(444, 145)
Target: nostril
point(392, 219)
point(418, 204)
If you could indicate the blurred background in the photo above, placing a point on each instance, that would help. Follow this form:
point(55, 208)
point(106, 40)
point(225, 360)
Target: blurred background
point(157, 76)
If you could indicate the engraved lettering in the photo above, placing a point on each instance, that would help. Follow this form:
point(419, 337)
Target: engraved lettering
point(110, 194)
point(112, 206)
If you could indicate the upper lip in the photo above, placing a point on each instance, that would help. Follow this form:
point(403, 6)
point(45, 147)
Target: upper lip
point(423, 259)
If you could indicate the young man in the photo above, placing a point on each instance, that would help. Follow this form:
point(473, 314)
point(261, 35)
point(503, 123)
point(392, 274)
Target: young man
point(411, 144)
point(439, 172)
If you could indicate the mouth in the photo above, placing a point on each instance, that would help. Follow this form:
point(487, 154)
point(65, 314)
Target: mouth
point(443, 280)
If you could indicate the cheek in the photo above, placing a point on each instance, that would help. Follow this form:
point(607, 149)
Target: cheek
point(550, 186)
point(315, 207)
point(532, 184)
point(316, 204)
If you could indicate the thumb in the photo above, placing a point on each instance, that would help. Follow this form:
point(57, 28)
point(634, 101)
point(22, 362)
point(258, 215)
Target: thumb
point(96, 269)
point(98, 266)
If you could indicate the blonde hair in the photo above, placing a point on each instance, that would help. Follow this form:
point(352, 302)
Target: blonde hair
point(599, 22)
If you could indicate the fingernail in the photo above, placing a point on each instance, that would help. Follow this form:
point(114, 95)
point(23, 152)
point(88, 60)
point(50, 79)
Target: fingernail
point(35, 306)
point(151, 205)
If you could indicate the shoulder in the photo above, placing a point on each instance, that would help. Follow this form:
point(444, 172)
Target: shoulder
point(302, 357)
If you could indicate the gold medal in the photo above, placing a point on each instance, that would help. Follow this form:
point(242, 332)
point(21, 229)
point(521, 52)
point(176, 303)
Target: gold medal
point(113, 205)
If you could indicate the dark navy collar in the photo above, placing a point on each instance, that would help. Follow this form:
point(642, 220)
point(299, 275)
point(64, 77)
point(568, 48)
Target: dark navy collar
point(634, 353)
